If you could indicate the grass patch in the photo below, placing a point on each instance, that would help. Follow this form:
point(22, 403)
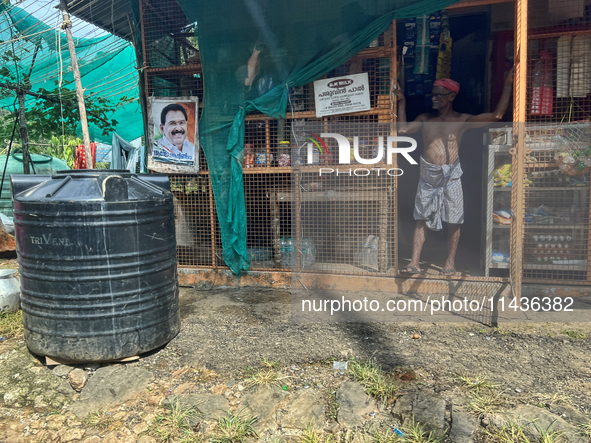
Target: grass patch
point(270, 364)
point(234, 429)
point(556, 399)
point(264, 377)
point(575, 335)
point(333, 407)
point(311, 435)
point(476, 384)
point(176, 425)
point(386, 437)
point(484, 403)
point(373, 379)
point(11, 323)
point(416, 433)
point(585, 430)
point(100, 420)
point(513, 432)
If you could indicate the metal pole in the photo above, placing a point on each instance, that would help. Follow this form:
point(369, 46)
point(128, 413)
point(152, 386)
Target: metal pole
point(67, 26)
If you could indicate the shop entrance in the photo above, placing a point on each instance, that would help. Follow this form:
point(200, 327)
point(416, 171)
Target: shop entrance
point(469, 68)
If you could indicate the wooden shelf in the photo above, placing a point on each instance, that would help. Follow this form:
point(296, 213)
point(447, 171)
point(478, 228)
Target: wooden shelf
point(194, 68)
point(540, 165)
point(542, 226)
point(553, 267)
point(556, 226)
point(312, 114)
point(543, 188)
point(556, 188)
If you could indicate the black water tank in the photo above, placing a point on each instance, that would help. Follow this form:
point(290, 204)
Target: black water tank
point(97, 262)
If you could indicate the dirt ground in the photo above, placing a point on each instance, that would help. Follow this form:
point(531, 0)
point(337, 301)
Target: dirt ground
point(224, 331)
point(227, 329)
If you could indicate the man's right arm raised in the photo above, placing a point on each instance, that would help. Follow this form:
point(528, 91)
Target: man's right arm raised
point(405, 127)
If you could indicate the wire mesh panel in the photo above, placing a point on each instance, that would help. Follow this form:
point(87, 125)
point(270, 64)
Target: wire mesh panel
point(557, 180)
point(557, 203)
point(168, 37)
point(343, 218)
point(194, 225)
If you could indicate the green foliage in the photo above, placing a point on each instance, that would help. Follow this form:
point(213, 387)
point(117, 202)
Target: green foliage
point(64, 147)
point(44, 118)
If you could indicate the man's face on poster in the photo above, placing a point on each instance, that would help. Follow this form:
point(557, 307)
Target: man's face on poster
point(175, 128)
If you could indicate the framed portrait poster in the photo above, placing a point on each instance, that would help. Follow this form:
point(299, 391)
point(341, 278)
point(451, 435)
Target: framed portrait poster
point(174, 135)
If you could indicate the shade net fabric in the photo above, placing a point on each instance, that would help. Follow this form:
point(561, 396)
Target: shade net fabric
point(107, 68)
point(294, 42)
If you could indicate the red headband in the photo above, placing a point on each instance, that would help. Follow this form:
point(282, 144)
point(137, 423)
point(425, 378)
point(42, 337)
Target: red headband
point(448, 84)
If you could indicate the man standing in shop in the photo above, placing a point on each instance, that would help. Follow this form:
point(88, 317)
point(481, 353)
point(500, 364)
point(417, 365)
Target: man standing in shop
point(439, 195)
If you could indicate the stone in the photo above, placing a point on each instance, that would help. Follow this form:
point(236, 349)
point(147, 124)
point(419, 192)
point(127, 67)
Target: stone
point(62, 370)
point(533, 416)
point(305, 409)
point(219, 389)
point(72, 422)
point(495, 419)
point(463, 425)
point(33, 388)
point(142, 427)
point(146, 439)
point(93, 439)
point(110, 386)
point(66, 389)
point(67, 435)
point(263, 402)
point(78, 379)
point(570, 414)
point(122, 436)
point(354, 405)
point(402, 409)
point(55, 421)
point(211, 406)
point(427, 409)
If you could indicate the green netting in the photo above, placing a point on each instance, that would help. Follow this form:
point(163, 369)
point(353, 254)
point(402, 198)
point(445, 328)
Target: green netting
point(299, 42)
point(107, 68)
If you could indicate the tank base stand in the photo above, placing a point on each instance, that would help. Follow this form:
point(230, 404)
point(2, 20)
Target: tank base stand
point(53, 361)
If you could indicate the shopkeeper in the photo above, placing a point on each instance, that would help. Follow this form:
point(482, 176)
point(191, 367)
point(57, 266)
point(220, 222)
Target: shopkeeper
point(439, 195)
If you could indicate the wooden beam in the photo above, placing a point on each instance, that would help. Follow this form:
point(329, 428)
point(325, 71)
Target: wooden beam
point(519, 148)
point(67, 26)
point(470, 4)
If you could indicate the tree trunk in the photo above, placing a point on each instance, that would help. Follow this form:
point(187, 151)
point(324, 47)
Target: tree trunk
point(24, 132)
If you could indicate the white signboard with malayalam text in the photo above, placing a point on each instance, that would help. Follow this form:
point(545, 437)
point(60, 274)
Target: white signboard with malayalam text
point(342, 95)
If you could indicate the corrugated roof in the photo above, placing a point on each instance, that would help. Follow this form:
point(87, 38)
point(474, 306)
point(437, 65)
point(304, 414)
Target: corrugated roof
point(113, 16)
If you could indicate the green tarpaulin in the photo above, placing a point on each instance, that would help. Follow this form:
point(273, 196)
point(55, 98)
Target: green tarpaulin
point(299, 41)
point(107, 67)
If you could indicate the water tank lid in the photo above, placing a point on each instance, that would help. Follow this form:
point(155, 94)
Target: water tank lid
point(102, 185)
